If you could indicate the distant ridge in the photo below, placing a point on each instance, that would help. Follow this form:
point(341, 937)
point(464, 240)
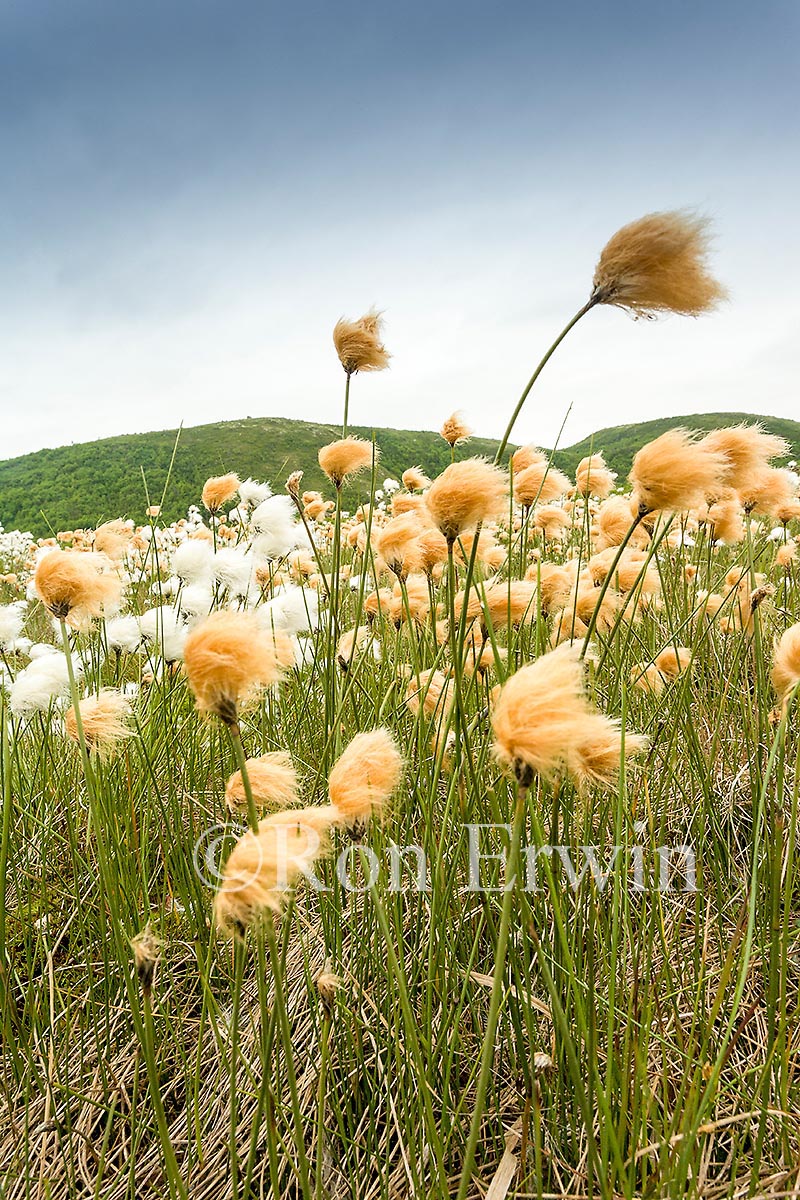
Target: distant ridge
point(83, 485)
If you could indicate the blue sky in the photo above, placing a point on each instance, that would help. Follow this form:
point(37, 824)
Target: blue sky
point(195, 191)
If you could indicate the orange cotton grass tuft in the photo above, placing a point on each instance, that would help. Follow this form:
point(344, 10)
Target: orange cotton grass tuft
point(658, 264)
point(675, 472)
point(273, 781)
point(544, 724)
point(539, 483)
point(415, 480)
point(364, 778)
point(104, 720)
point(431, 692)
point(526, 456)
point(786, 663)
point(593, 478)
point(465, 494)
point(229, 658)
point(396, 543)
point(219, 490)
point(358, 343)
point(747, 449)
point(339, 460)
point(265, 864)
point(112, 539)
point(767, 490)
point(71, 585)
point(455, 430)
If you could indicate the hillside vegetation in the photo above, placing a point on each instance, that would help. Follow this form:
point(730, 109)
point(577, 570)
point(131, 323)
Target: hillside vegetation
point(85, 484)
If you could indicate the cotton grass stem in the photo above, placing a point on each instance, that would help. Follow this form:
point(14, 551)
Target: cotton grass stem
point(542, 364)
point(498, 983)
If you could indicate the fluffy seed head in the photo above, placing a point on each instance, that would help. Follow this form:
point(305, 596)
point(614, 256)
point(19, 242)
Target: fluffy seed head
point(105, 721)
point(358, 343)
point(339, 460)
point(273, 781)
point(364, 778)
point(455, 430)
point(526, 456)
point(658, 264)
point(229, 657)
point(466, 493)
point(747, 449)
point(146, 957)
point(263, 865)
point(539, 484)
point(415, 479)
point(543, 723)
point(70, 584)
point(593, 478)
point(767, 490)
point(786, 663)
point(218, 490)
point(675, 472)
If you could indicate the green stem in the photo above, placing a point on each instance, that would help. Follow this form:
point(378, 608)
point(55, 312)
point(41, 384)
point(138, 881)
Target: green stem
point(607, 581)
point(543, 363)
point(324, 1051)
point(346, 402)
point(291, 1076)
point(241, 762)
point(498, 983)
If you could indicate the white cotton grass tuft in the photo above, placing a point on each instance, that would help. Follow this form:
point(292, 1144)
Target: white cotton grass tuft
point(252, 493)
point(277, 532)
point(12, 619)
point(192, 561)
point(163, 627)
point(195, 601)
point(292, 610)
point(232, 567)
point(123, 635)
point(43, 681)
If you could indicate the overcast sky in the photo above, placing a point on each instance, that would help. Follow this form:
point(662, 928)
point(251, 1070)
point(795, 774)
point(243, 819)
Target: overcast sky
point(195, 190)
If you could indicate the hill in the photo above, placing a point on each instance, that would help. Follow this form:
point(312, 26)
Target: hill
point(83, 485)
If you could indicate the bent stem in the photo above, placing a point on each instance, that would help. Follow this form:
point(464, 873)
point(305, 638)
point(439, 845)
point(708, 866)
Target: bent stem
point(590, 303)
point(487, 1049)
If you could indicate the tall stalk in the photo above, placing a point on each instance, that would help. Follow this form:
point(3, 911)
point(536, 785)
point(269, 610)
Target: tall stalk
point(542, 364)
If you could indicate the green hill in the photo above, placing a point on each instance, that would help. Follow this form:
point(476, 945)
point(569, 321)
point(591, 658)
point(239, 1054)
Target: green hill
point(86, 484)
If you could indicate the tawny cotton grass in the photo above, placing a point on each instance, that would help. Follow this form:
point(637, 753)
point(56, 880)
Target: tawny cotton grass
point(345, 458)
point(675, 472)
point(539, 483)
point(544, 724)
point(455, 430)
point(71, 585)
point(104, 719)
point(786, 663)
point(465, 494)
point(748, 449)
point(358, 344)
point(364, 779)
point(273, 782)
point(266, 863)
point(218, 490)
point(229, 657)
point(658, 264)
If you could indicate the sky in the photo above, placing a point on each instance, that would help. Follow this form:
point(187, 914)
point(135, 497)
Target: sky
point(195, 190)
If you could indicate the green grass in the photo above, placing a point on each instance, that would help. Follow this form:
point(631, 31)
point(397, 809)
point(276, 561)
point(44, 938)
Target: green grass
point(86, 484)
point(669, 1018)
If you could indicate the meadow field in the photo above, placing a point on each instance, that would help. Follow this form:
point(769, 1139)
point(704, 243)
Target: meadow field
point(440, 843)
